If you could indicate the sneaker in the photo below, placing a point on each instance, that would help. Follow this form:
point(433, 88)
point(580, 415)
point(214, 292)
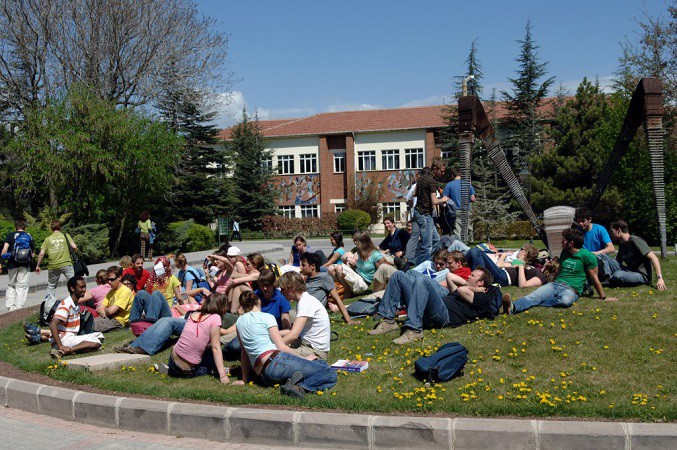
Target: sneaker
point(33, 339)
point(296, 378)
point(408, 337)
point(162, 368)
point(507, 304)
point(31, 328)
point(293, 390)
point(56, 353)
point(384, 327)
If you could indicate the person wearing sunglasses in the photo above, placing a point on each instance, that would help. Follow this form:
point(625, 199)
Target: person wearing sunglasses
point(115, 309)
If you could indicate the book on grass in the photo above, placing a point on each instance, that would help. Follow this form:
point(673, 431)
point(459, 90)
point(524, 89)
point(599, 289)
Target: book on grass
point(350, 366)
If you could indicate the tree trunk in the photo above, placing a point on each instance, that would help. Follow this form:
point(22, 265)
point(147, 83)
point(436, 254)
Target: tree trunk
point(114, 251)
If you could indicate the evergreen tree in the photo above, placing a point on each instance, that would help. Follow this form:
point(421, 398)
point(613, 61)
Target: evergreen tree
point(474, 68)
point(523, 126)
point(252, 174)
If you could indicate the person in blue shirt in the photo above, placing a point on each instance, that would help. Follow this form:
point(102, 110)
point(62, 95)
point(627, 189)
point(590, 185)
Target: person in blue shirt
point(453, 191)
point(595, 237)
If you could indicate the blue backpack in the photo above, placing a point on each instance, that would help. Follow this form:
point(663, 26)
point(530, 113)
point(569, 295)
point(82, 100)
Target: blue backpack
point(22, 253)
point(443, 365)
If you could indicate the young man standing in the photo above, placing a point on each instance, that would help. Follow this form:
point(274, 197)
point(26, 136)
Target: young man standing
point(577, 264)
point(423, 226)
point(311, 331)
point(453, 191)
point(633, 264)
point(55, 247)
point(321, 285)
point(115, 309)
point(19, 265)
point(595, 238)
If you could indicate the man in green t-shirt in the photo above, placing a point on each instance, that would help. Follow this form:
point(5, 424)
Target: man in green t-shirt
point(59, 261)
point(577, 264)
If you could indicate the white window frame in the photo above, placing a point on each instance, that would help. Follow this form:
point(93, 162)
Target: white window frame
point(366, 160)
point(390, 159)
point(267, 164)
point(414, 158)
point(310, 211)
point(339, 207)
point(339, 162)
point(285, 164)
point(393, 209)
point(447, 154)
point(288, 211)
point(308, 163)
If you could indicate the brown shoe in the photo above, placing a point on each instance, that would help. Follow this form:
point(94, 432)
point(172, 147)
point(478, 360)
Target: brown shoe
point(507, 303)
point(408, 337)
point(384, 327)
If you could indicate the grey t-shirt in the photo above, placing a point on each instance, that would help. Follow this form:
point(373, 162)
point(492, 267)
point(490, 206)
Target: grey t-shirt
point(319, 286)
point(632, 254)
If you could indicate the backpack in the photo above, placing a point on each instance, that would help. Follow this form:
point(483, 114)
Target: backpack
point(22, 253)
point(363, 307)
point(496, 302)
point(45, 319)
point(86, 318)
point(443, 365)
point(86, 323)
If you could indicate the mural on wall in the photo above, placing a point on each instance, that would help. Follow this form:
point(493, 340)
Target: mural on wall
point(397, 183)
point(301, 189)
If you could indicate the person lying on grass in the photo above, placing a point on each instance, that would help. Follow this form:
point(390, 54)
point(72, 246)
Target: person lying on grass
point(65, 325)
point(265, 355)
point(189, 357)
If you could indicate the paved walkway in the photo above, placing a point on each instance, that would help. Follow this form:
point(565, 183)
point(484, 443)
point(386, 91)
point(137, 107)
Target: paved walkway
point(273, 249)
point(24, 430)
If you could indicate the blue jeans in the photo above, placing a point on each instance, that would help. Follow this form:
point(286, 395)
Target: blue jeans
point(154, 338)
point(317, 374)
point(425, 307)
point(206, 366)
point(149, 307)
point(618, 276)
point(232, 349)
point(430, 240)
point(477, 257)
point(400, 286)
point(458, 245)
point(554, 295)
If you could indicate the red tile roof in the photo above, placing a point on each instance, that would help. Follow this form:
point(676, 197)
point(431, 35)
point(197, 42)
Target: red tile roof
point(364, 120)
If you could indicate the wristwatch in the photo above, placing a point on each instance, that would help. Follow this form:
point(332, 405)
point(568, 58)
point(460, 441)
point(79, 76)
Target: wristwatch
point(659, 276)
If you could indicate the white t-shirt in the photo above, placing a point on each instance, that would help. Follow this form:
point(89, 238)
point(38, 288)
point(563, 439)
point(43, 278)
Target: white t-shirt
point(252, 327)
point(317, 331)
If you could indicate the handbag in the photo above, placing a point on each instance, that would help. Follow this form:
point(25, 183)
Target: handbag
point(79, 266)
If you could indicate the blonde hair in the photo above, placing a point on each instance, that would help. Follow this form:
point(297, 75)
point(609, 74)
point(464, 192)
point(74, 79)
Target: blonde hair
point(292, 280)
point(365, 246)
point(126, 262)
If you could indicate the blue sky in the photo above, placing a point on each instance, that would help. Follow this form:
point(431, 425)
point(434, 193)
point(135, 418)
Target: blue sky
point(297, 58)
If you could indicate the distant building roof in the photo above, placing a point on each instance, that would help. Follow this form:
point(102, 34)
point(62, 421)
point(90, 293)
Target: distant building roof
point(370, 120)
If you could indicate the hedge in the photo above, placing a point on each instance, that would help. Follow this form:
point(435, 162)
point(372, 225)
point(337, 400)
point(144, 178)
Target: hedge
point(354, 219)
point(280, 226)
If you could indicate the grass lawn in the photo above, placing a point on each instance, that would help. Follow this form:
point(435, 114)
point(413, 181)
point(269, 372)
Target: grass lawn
point(594, 360)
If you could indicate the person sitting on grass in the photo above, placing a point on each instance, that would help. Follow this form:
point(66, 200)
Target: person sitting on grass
point(115, 309)
point(264, 354)
point(230, 266)
point(577, 264)
point(311, 331)
point(336, 240)
point(189, 357)
point(95, 296)
point(430, 305)
point(255, 263)
point(64, 328)
point(321, 285)
point(162, 283)
point(369, 261)
point(138, 271)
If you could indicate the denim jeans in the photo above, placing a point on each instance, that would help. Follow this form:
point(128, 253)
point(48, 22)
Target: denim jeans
point(554, 295)
point(412, 243)
point(429, 238)
point(149, 307)
point(399, 287)
point(154, 338)
point(425, 308)
point(53, 276)
point(317, 374)
point(618, 276)
point(477, 257)
point(232, 349)
point(206, 366)
point(458, 245)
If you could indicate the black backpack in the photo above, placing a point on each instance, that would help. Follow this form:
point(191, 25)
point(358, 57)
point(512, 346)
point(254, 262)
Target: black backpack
point(443, 365)
point(86, 318)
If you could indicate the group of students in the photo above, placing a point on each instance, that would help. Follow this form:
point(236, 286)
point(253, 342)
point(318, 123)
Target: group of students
point(236, 307)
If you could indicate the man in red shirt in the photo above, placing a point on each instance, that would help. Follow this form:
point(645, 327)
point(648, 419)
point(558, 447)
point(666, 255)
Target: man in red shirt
point(138, 271)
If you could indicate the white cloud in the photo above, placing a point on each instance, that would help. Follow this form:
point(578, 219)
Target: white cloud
point(351, 107)
point(229, 105)
point(428, 101)
point(283, 113)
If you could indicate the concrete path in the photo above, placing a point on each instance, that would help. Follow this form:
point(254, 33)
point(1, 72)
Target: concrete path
point(274, 249)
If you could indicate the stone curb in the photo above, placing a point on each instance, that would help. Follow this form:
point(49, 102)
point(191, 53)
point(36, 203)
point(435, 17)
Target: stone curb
point(322, 429)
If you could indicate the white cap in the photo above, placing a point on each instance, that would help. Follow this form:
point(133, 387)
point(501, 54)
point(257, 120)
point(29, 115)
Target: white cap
point(234, 251)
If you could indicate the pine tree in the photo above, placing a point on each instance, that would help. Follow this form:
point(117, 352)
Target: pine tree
point(523, 127)
point(252, 175)
point(474, 68)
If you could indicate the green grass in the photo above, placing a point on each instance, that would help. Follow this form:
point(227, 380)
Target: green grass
point(594, 360)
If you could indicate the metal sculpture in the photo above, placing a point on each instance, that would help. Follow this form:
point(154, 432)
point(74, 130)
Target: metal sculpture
point(646, 106)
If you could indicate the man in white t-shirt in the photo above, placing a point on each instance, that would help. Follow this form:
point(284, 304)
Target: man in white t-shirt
point(311, 330)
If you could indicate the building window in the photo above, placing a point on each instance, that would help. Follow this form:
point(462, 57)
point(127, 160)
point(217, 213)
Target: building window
point(413, 158)
point(339, 162)
point(267, 164)
point(309, 211)
point(390, 160)
point(366, 160)
point(447, 154)
point(339, 207)
point(308, 163)
point(285, 164)
point(286, 211)
point(392, 209)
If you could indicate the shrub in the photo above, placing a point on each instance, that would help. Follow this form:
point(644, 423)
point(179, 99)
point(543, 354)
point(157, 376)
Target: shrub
point(187, 235)
point(519, 229)
point(200, 237)
point(6, 227)
point(280, 226)
point(92, 241)
point(353, 219)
